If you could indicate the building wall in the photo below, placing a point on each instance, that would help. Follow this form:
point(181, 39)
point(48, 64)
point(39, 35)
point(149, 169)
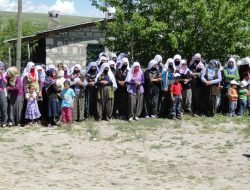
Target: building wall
point(70, 47)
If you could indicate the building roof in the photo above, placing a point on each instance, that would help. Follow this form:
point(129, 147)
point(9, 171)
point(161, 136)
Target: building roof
point(43, 33)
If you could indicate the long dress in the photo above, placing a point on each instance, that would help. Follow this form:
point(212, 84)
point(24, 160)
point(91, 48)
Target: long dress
point(135, 97)
point(121, 94)
point(79, 101)
point(105, 97)
point(90, 94)
point(32, 110)
point(152, 91)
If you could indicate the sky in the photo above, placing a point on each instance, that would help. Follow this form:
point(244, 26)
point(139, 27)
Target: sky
point(66, 7)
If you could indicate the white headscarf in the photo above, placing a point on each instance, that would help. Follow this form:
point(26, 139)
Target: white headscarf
point(91, 64)
point(100, 60)
point(110, 74)
point(231, 59)
point(67, 69)
point(170, 60)
point(152, 63)
point(183, 70)
point(42, 75)
point(158, 58)
point(200, 65)
point(131, 71)
point(177, 56)
point(124, 60)
point(28, 68)
point(51, 67)
point(244, 61)
point(78, 66)
point(111, 62)
point(112, 55)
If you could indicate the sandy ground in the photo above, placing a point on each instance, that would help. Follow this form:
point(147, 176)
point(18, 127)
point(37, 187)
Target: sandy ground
point(117, 155)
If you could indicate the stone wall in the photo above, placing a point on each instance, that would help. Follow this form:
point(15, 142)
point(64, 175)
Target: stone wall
point(70, 47)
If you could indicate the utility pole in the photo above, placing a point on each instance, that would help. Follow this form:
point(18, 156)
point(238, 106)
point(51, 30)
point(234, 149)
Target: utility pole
point(19, 35)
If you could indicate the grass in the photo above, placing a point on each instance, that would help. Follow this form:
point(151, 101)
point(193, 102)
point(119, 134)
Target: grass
point(142, 124)
point(246, 131)
point(92, 131)
point(9, 140)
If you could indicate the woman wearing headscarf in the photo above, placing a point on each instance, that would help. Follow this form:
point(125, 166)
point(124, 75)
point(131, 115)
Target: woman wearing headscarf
point(90, 89)
point(106, 86)
point(196, 67)
point(64, 68)
point(185, 80)
point(211, 77)
point(119, 59)
point(121, 94)
point(76, 83)
point(15, 96)
point(153, 80)
point(167, 81)
point(41, 77)
point(3, 99)
point(177, 61)
point(230, 73)
point(30, 76)
point(101, 61)
point(158, 59)
point(52, 97)
point(135, 82)
point(113, 57)
point(112, 66)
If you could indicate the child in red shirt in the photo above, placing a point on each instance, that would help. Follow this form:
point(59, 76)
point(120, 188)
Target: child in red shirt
point(176, 96)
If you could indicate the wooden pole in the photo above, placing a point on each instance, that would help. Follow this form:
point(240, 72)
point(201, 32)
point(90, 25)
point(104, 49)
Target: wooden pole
point(28, 51)
point(19, 35)
point(9, 56)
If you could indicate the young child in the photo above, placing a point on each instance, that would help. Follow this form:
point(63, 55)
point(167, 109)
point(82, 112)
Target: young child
point(60, 80)
point(67, 95)
point(32, 111)
point(243, 93)
point(232, 97)
point(176, 96)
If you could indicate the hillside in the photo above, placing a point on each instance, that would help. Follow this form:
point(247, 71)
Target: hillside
point(42, 19)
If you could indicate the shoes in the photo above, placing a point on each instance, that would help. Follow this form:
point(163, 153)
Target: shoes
point(136, 118)
point(4, 125)
point(178, 117)
point(194, 115)
point(10, 124)
point(146, 116)
point(153, 116)
point(172, 117)
point(130, 119)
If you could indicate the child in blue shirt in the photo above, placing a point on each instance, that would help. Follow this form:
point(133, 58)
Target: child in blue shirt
point(67, 95)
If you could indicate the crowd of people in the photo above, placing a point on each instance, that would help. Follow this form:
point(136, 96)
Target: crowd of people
point(112, 88)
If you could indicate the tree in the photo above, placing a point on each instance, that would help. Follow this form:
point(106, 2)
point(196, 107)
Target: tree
point(9, 30)
point(143, 28)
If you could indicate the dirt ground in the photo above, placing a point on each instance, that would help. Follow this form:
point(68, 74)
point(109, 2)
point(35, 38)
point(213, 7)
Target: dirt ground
point(149, 154)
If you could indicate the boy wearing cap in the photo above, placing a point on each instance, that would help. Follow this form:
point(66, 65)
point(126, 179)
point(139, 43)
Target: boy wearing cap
point(232, 97)
point(243, 93)
point(176, 96)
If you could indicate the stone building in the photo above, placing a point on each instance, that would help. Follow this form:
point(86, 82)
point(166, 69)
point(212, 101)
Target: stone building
point(69, 44)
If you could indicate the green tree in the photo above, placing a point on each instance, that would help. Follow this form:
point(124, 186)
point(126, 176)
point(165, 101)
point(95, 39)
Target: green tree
point(8, 31)
point(143, 28)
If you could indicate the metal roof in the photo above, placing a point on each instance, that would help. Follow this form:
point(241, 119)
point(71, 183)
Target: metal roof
point(43, 33)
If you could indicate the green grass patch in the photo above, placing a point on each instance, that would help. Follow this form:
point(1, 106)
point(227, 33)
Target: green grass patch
point(246, 131)
point(9, 140)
